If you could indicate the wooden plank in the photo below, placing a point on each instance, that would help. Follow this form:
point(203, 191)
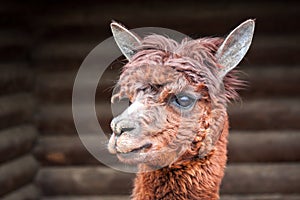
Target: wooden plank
point(83, 181)
point(55, 87)
point(11, 7)
point(58, 119)
point(239, 179)
point(13, 22)
point(253, 114)
point(223, 197)
point(17, 173)
point(15, 78)
point(263, 114)
point(261, 197)
point(88, 198)
point(16, 141)
point(27, 192)
point(268, 146)
point(16, 109)
point(272, 81)
point(63, 150)
point(14, 38)
point(58, 86)
point(203, 17)
point(261, 179)
point(264, 146)
point(14, 45)
point(271, 50)
point(65, 53)
point(14, 52)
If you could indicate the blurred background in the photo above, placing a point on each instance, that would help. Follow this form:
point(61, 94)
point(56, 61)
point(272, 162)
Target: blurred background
point(42, 45)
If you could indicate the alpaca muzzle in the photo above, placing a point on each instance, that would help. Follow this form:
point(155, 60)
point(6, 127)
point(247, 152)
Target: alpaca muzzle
point(121, 126)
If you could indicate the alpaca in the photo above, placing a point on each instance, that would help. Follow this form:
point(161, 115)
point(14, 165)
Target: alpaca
point(176, 127)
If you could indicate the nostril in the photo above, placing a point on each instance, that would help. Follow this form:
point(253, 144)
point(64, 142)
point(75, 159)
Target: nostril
point(120, 126)
point(125, 129)
point(122, 130)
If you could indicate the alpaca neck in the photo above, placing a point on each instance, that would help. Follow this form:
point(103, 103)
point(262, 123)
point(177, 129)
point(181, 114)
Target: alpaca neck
point(197, 179)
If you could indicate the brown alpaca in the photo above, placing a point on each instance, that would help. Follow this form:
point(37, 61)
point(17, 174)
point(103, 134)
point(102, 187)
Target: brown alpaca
point(176, 128)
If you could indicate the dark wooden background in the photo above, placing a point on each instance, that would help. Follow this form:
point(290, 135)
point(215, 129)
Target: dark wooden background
point(43, 43)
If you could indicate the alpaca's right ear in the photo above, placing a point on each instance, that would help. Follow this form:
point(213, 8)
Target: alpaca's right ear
point(126, 40)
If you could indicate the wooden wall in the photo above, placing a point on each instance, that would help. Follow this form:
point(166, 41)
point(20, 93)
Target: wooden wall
point(18, 134)
point(264, 152)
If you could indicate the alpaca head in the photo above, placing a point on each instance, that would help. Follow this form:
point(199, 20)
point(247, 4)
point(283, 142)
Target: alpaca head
point(178, 93)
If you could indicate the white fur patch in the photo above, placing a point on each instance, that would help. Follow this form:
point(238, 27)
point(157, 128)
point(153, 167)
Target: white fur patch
point(134, 107)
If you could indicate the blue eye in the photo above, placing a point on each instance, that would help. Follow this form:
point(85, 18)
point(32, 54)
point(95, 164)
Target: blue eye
point(183, 101)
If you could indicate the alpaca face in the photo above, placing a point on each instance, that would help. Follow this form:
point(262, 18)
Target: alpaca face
point(178, 94)
point(166, 114)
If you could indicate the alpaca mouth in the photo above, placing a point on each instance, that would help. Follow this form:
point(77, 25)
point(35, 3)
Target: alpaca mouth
point(140, 149)
point(144, 147)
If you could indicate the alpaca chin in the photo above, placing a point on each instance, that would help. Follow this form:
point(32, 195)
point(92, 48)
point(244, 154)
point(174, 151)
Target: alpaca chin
point(148, 156)
point(132, 157)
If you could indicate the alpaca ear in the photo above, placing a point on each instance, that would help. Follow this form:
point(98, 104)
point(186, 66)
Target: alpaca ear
point(126, 40)
point(235, 47)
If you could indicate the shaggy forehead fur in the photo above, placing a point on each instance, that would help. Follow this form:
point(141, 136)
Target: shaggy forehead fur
point(194, 59)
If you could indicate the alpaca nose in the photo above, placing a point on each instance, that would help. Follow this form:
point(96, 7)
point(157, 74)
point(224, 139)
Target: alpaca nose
point(119, 127)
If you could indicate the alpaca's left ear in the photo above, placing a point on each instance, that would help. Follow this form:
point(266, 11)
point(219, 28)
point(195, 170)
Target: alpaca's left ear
point(235, 47)
point(126, 40)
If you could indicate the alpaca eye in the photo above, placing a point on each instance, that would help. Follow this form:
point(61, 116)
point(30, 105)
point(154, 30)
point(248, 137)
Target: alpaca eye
point(183, 101)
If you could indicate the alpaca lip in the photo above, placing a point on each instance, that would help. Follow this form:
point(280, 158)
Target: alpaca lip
point(146, 146)
point(137, 150)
